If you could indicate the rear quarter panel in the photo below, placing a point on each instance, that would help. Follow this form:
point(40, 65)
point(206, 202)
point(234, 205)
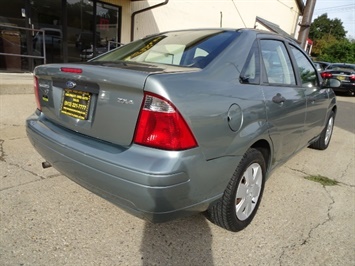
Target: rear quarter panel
point(204, 101)
point(205, 97)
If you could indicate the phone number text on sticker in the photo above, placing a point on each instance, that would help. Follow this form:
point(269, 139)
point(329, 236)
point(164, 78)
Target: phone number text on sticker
point(76, 103)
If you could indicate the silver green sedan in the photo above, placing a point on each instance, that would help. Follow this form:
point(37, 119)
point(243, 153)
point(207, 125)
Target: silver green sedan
point(183, 122)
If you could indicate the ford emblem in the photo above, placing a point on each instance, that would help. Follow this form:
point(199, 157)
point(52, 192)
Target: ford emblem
point(70, 84)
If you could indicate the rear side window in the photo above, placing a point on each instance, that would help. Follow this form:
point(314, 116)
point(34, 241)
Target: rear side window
point(251, 71)
point(307, 71)
point(277, 63)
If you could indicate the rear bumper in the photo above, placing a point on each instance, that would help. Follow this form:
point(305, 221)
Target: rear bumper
point(345, 87)
point(148, 183)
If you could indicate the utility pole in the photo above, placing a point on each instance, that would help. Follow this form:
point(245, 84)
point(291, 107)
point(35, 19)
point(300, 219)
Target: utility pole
point(306, 22)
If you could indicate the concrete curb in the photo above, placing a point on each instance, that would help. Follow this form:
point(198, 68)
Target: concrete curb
point(16, 83)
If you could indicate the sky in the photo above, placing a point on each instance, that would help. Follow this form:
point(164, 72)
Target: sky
point(341, 9)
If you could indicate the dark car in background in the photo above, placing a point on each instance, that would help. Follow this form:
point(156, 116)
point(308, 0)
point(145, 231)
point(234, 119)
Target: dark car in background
point(84, 40)
point(52, 38)
point(345, 73)
point(321, 66)
point(183, 122)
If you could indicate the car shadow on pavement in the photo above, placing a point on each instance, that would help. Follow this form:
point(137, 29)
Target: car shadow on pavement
point(342, 118)
point(181, 242)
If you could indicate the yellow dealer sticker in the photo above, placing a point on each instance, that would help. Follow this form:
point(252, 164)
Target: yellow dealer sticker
point(76, 103)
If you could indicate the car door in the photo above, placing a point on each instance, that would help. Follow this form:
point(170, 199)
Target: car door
point(285, 101)
point(317, 98)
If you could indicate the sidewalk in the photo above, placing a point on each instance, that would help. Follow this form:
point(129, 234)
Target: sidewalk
point(16, 83)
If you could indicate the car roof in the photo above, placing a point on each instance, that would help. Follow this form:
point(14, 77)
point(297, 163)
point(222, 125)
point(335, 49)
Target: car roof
point(340, 66)
point(323, 62)
point(52, 30)
point(244, 30)
point(343, 64)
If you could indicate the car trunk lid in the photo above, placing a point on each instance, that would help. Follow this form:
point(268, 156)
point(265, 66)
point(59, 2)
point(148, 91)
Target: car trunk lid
point(98, 100)
point(342, 75)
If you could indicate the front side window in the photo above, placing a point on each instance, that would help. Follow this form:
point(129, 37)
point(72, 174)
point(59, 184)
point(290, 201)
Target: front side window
point(277, 63)
point(184, 48)
point(307, 71)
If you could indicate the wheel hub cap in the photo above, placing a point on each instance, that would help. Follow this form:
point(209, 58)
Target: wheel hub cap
point(248, 191)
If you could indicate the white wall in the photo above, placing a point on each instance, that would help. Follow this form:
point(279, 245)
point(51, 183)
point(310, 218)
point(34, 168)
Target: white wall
point(126, 20)
point(183, 14)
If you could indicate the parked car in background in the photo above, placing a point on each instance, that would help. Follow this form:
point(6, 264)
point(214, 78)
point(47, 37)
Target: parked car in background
point(317, 66)
point(85, 40)
point(321, 66)
point(52, 37)
point(343, 72)
point(183, 122)
point(87, 54)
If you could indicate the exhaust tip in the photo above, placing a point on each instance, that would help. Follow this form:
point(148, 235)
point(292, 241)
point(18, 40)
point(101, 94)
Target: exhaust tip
point(46, 165)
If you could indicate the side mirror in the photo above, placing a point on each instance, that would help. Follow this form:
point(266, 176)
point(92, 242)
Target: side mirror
point(332, 83)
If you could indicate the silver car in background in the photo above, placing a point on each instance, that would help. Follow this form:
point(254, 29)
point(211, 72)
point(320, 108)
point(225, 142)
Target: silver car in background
point(183, 122)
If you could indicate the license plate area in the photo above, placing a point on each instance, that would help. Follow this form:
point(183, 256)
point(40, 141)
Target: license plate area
point(76, 103)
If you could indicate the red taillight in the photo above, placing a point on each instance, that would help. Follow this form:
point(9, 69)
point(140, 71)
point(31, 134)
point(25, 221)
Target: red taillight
point(161, 126)
point(352, 78)
point(36, 91)
point(71, 70)
point(326, 75)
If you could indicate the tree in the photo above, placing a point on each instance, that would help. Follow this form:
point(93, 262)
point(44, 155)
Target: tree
point(329, 41)
point(322, 27)
point(319, 46)
point(338, 51)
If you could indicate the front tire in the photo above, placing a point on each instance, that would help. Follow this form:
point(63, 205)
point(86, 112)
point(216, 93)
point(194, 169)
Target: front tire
point(324, 139)
point(241, 199)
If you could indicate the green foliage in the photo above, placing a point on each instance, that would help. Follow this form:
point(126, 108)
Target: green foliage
point(329, 42)
point(322, 26)
point(307, 75)
point(331, 50)
point(319, 46)
point(341, 51)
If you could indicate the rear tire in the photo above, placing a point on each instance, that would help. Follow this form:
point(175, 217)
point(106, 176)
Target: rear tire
point(324, 139)
point(241, 199)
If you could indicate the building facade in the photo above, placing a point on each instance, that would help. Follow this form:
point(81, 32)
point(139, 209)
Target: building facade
point(180, 14)
point(34, 32)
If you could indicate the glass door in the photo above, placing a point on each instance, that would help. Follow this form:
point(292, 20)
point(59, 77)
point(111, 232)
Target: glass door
point(80, 29)
point(108, 27)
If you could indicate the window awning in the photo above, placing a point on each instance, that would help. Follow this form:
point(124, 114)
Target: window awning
point(273, 27)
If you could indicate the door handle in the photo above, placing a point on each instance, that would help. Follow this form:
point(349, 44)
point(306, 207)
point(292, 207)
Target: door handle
point(278, 98)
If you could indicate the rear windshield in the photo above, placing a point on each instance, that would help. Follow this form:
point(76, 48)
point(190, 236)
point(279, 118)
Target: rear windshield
point(180, 48)
point(350, 68)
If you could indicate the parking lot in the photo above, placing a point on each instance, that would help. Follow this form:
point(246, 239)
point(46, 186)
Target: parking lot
point(46, 219)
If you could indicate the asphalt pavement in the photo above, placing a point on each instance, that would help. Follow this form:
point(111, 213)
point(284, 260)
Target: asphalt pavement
point(46, 219)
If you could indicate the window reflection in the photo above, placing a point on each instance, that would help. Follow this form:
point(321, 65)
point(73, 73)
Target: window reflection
point(306, 69)
point(67, 37)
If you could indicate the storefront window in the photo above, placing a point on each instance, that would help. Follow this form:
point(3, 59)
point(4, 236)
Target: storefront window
point(80, 28)
point(46, 15)
point(107, 27)
point(18, 40)
point(13, 38)
point(79, 32)
point(88, 37)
